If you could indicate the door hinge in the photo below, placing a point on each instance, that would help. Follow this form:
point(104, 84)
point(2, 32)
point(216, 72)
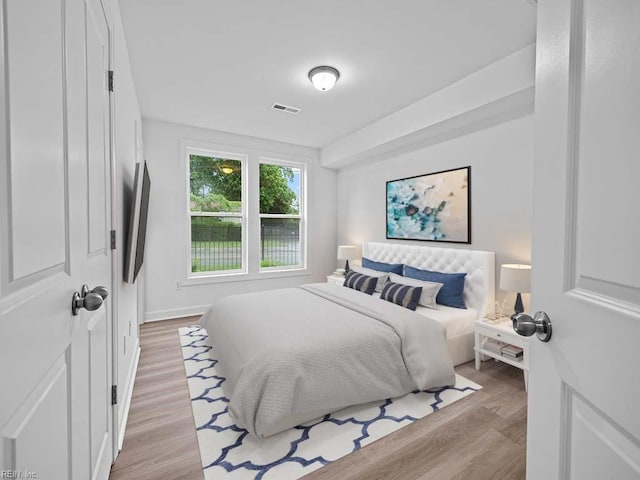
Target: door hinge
point(114, 394)
point(111, 80)
point(113, 239)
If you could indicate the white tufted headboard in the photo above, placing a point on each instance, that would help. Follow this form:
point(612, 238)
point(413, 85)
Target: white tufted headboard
point(479, 285)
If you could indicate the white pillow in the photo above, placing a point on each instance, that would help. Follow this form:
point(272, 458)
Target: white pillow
point(429, 289)
point(381, 276)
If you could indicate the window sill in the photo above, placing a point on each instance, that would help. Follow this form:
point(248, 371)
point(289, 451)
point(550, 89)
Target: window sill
point(242, 277)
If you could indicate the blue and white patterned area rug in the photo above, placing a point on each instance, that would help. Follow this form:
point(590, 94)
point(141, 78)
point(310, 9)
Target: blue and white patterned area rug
point(229, 452)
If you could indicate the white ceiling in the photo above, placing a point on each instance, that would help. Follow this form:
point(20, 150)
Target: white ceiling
point(221, 64)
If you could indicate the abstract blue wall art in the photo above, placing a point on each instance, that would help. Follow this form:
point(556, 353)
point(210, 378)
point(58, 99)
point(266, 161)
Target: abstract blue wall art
point(432, 207)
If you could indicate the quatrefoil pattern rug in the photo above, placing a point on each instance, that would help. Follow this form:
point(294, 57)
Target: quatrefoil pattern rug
point(229, 452)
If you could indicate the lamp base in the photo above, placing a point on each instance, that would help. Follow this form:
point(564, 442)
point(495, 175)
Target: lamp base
point(346, 267)
point(519, 306)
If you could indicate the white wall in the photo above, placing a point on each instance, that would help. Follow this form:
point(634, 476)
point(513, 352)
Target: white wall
point(165, 255)
point(501, 159)
point(128, 150)
point(484, 120)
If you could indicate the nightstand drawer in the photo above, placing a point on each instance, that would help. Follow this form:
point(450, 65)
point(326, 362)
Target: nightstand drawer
point(502, 334)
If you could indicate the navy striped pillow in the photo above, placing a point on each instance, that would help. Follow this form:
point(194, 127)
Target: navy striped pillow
point(403, 295)
point(360, 282)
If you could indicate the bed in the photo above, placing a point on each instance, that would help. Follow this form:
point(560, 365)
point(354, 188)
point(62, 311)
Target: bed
point(292, 355)
point(479, 287)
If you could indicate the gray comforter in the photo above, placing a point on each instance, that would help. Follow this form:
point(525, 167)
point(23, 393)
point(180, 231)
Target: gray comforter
point(292, 355)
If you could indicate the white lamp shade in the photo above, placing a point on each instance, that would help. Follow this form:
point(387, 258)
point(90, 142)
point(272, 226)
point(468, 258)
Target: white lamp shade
point(347, 252)
point(515, 278)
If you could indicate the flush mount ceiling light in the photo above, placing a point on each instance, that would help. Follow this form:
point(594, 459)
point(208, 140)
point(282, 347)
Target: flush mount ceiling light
point(324, 77)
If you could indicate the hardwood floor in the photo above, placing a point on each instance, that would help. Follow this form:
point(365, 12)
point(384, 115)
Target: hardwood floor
point(482, 436)
point(160, 439)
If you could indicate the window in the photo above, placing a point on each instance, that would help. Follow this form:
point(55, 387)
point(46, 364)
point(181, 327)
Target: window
point(246, 215)
point(280, 215)
point(217, 212)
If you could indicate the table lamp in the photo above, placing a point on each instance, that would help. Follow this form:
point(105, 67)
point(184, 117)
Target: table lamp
point(347, 252)
point(516, 278)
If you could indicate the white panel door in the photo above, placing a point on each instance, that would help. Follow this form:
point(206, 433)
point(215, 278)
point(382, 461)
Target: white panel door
point(97, 260)
point(91, 338)
point(36, 249)
point(584, 386)
point(54, 209)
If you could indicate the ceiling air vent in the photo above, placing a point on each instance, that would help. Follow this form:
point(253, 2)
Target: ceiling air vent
point(285, 108)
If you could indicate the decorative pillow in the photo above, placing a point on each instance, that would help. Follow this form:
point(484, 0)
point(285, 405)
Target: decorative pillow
point(382, 267)
point(429, 289)
point(403, 295)
point(453, 285)
point(381, 276)
point(360, 282)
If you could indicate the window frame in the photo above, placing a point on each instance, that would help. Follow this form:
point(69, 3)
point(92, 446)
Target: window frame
point(301, 215)
point(243, 214)
point(251, 207)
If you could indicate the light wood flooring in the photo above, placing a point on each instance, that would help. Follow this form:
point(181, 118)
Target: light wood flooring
point(479, 437)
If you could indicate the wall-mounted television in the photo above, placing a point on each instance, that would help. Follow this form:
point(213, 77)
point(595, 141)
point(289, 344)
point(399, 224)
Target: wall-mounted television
point(137, 223)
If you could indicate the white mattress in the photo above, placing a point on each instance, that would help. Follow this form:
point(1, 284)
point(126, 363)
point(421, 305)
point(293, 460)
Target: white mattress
point(457, 321)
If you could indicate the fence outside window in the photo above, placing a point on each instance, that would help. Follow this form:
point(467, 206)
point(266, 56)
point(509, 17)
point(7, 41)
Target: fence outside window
point(279, 242)
point(216, 244)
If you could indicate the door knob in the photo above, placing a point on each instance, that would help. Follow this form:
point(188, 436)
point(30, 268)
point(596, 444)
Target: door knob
point(91, 301)
point(526, 326)
point(102, 291)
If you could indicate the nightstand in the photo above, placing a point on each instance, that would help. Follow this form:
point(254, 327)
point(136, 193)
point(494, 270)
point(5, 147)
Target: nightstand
point(501, 332)
point(335, 279)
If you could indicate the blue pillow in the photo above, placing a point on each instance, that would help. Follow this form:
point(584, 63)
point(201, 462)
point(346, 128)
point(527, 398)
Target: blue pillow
point(404, 295)
point(382, 267)
point(452, 285)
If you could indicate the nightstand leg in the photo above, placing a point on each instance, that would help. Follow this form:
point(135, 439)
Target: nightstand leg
point(526, 381)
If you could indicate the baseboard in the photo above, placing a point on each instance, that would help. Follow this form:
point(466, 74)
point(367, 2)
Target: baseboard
point(176, 313)
point(131, 378)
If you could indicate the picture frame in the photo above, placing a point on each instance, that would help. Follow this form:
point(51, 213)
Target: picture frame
point(433, 207)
